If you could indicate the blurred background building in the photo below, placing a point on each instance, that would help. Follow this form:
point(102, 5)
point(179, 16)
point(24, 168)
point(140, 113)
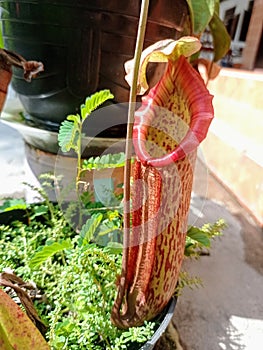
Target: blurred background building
point(243, 20)
point(234, 149)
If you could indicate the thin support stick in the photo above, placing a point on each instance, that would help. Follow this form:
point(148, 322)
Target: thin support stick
point(131, 111)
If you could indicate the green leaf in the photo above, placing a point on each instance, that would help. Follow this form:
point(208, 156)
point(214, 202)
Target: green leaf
point(1, 37)
point(39, 210)
point(12, 204)
point(221, 38)
point(106, 230)
point(186, 280)
point(48, 251)
point(201, 12)
point(197, 235)
point(74, 118)
point(198, 238)
point(217, 7)
point(115, 247)
point(104, 162)
point(16, 330)
point(204, 13)
point(65, 327)
point(89, 228)
point(94, 101)
point(68, 135)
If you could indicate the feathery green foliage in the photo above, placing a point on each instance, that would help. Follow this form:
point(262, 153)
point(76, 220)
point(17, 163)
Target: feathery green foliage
point(69, 136)
point(94, 101)
point(89, 228)
point(105, 161)
point(76, 278)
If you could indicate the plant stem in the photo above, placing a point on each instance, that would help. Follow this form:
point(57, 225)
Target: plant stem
point(131, 111)
point(79, 170)
point(78, 150)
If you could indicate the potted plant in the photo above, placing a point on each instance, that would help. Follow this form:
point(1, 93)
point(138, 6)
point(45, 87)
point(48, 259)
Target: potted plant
point(169, 19)
point(84, 47)
point(68, 280)
point(154, 231)
point(75, 277)
point(70, 276)
point(63, 85)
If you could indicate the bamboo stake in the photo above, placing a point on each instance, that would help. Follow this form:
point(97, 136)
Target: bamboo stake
point(131, 111)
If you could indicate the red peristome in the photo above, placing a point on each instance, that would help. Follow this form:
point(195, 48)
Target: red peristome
point(182, 76)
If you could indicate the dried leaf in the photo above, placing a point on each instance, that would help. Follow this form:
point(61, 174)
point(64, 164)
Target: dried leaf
point(31, 69)
point(212, 68)
point(9, 59)
point(9, 279)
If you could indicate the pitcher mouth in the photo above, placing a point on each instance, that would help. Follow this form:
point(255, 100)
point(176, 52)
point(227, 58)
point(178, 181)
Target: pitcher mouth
point(192, 90)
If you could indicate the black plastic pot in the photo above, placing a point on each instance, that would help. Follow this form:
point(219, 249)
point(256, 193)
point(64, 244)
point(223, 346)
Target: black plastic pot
point(83, 45)
point(168, 312)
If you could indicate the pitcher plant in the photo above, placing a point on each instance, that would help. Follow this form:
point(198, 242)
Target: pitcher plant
point(170, 124)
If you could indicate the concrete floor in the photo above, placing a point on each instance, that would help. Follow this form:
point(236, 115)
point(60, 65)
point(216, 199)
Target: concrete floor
point(14, 167)
point(227, 312)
